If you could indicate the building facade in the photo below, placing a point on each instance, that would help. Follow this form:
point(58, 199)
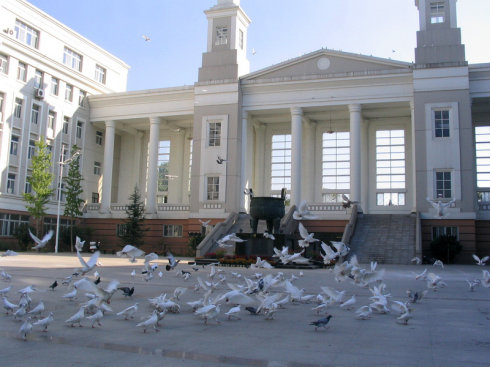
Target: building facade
point(390, 135)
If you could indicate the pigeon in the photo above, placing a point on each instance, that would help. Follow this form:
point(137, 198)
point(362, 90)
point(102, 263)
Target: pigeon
point(439, 263)
point(27, 290)
point(307, 238)
point(421, 276)
point(5, 276)
point(228, 240)
point(440, 207)
point(252, 310)
point(41, 243)
point(151, 321)
point(79, 244)
point(96, 317)
point(77, 317)
point(10, 253)
point(220, 160)
point(146, 38)
point(5, 290)
point(129, 311)
point(45, 321)
point(97, 281)
point(172, 263)
point(269, 236)
point(38, 310)
point(205, 223)
point(131, 252)
point(25, 329)
point(347, 203)
point(485, 282)
point(128, 292)
point(472, 284)
point(363, 313)
point(90, 264)
point(349, 303)
point(53, 285)
point(70, 295)
point(302, 212)
point(249, 192)
point(482, 261)
point(21, 312)
point(133, 273)
point(321, 322)
point(233, 313)
point(102, 295)
point(208, 312)
point(416, 260)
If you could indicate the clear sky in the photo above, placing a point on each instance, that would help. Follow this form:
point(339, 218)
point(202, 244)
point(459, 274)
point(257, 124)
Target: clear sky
point(280, 30)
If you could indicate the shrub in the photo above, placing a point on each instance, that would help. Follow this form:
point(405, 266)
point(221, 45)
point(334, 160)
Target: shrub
point(22, 235)
point(445, 248)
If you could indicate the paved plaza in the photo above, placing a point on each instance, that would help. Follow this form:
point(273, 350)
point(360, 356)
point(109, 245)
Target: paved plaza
point(449, 327)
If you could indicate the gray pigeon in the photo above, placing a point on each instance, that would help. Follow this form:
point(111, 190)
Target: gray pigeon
point(321, 322)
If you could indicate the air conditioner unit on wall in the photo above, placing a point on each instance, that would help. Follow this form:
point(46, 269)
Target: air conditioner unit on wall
point(40, 93)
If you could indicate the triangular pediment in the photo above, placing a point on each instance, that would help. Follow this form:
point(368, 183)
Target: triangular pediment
point(327, 62)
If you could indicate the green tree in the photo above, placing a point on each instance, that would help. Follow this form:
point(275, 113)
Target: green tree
point(73, 191)
point(135, 211)
point(41, 181)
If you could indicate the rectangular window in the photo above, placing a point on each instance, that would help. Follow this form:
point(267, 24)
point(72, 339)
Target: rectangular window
point(172, 230)
point(26, 34)
point(240, 39)
point(21, 72)
point(38, 79)
point(212, 188)
point(336, 164)
point(11, 183)
point(79, 129)
point(81, 97)
point(97, 168)
point(31, 150)
point(221, 35)
point(98, 137)
point(95, 197)
point(390, 167)
point(441, 123)
point(69, 93)
point(55, 86)
point(281, 163)
point(51, 119)
point(10, 222)
point(443, 184)
point(50, 223)
point(18, 107)
point(482, 148)
point(163, 159)
point(214, 134)
point(35, 114)
point(437, 12)
point(4, 64)
point(28, 186)
point(14, 145)
point(121, 229)
point(100, 74)
point(444, 231)
point(190, 166)
point(66, 124)
point(72, 59)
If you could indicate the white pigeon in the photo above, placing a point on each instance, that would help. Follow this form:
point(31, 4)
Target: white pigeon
point(233, 313)
point(102, 295)
point(38, 310)
point(205, 223)
point(330, 254)
point(44, 322)
point(129, 311)
point(77, 317)
point(27, 290)
point(70, 295)
point(79, 244)
point(5, 276)
point(10, 253)
point(96, 317)
point(349, 303)
point(41, 243)
point(472, 284)
point(269, 236)
point(133, 273)
point(131, 252)
point(416, 260)
point(25, 329)
point(342, 248)
point(481, 261)
point(208, 312)
point(364, 312)
point(334, 295)
point(346, 202)
point(440, 207)
point(146, 38)
point(5, 290)
point(172, 262)
point(307, 238)
point(150, 321)
point(90, 264)
point(421, 276)
point(302, 212)
point(259, 263)
point(485, 282)
point(179, 291)
point(229, 240)
point(21, 312)
point(439, 263)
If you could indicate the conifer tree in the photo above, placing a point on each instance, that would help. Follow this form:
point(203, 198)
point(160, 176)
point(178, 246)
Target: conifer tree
point(41, 181)
point(73, 191)
point(135, 211)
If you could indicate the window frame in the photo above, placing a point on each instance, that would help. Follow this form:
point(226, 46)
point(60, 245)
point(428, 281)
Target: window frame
point(222, 33)
point(38, 79)
point(335, 165)
point(437, 12)
point(19, 103)
point(280, 173)
point(444, 192)
point(97, 168)
point(26, 34)
point(10, 222)
point(35, 113)
point(55, 86)
point(99, 137)
point(72, 59)
point(11, 178)
point(441, 124)
point(212, 188)
point(214, 133)
point(100, 74)
point(68, 92)
point(14, 145)
point(172, 230)
point(22, 71)
point(79, 132)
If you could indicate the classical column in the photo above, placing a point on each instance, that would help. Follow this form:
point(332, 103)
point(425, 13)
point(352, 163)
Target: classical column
point(244, 199)
point(296, 138)
point(176, 168)
point(355, 152)
point(259, 185)
point(309, 168)
point(110, 134)
point(414, 166)
point(151, 185)
point(137, 159)
point(364, 166)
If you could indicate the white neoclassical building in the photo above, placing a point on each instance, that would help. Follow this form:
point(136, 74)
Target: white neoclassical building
point(390, 135)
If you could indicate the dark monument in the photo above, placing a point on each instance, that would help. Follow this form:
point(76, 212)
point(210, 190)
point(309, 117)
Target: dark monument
point(270, 209)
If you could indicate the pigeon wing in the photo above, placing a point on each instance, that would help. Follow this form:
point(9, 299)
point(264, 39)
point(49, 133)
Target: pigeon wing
point(34, 238)
point(93, 259)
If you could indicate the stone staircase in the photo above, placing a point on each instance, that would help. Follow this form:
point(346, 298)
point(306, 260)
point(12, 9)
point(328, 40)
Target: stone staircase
point(385, 238)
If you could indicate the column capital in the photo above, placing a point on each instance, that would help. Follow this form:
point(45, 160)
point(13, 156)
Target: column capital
point(154, 120)
point(296, 111)
point(110, 123)
point(244, 114)
point(355, 107)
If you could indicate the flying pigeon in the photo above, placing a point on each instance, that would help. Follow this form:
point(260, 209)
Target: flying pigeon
point(128, 292)
point(416, 260)
point(220, 160)
point(347, 203)
point(131, 252)
point(249, 192)
point(90, 264)
point(321, 322)
point(302, 212)
point(481, 261)
point(79, 244)
point(41, 243)
point(270, 236)
point(146, 38)
point(172, 263)
point(228, 240)
point(439, 263)
point(205, 223)
point(307, 237)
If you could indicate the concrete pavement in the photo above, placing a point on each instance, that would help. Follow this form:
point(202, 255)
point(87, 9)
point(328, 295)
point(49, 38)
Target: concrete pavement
point(450, 327)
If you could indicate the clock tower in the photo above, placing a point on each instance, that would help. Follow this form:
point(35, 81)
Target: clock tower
point(226, 54)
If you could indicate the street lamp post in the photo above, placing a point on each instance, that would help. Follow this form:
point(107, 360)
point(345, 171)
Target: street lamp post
point(61, 163)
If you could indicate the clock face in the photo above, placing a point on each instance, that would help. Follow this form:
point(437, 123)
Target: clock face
point(323, 63)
